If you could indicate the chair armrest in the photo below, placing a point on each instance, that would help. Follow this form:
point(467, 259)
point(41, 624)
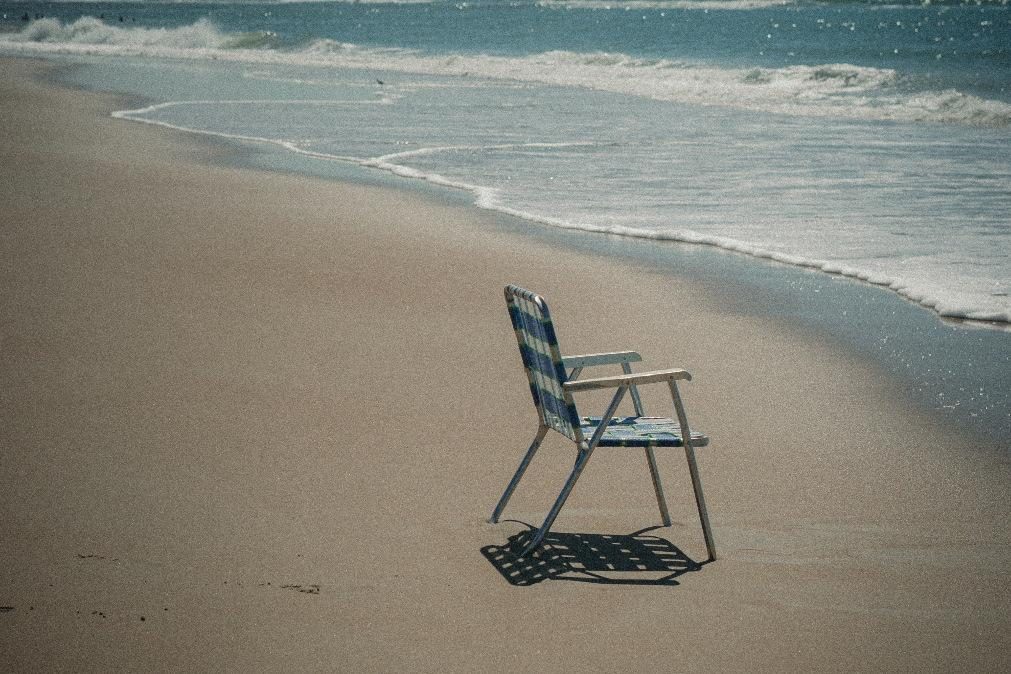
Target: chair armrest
point(626, 380)
point(591, 359)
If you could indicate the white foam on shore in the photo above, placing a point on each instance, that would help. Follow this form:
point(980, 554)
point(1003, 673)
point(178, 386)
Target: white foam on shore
point(945, 302)
point(962, 306)
point(140, 115)
point(836, 90)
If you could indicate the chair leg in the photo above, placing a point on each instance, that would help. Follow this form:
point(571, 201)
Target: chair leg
point(650, 455)
point(707, 531)
point(693, 470)
point(657, 487)
point(585, 449)
point(581, 461)
point(541, 432)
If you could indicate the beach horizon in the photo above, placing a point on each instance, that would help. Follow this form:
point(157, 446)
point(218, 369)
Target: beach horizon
point(258, 420)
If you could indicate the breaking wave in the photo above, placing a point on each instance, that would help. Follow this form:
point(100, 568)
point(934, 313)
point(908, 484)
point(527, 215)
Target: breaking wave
point(828, 90)
point(91, 31)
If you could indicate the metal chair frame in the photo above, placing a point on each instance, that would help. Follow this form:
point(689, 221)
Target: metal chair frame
point(554, 378)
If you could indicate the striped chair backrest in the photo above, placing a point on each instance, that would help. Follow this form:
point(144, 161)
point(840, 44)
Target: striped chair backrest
point(543, 361)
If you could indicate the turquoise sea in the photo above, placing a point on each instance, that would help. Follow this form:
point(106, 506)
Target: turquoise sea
point(828, 140)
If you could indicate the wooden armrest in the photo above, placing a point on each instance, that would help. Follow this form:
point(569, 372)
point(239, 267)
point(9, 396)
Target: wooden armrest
point(626, 380)
point(591, 359)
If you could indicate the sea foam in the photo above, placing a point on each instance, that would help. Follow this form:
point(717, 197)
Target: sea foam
point(93, 31)
point(825, 90)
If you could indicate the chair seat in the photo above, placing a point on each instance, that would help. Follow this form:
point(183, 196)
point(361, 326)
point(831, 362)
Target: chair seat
point(640, 432)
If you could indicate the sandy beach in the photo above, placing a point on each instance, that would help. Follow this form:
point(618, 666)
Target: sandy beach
point(257, 422)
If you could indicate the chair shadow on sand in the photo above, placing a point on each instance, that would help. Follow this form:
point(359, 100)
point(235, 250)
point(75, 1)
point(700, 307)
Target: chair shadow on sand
point(630, 559)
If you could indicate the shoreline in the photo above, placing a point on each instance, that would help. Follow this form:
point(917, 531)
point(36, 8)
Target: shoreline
point(985, 318)
point(901, 337)
point(252, 432)
point(967, 385)
point(302, 164)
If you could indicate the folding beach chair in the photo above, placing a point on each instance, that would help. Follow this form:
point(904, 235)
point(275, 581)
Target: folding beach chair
point(553, 380)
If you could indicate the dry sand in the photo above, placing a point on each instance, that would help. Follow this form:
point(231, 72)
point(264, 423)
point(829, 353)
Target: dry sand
point(257, 422)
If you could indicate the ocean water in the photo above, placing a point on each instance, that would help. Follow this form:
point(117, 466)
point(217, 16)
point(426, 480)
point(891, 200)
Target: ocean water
point(859, 138)
point(847, 138)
